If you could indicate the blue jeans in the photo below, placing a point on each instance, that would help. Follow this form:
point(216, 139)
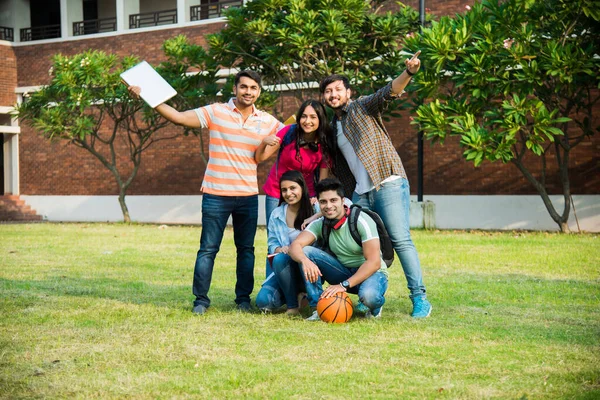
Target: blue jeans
point(270, 295)
point(271, 203)
point(215, 213)
point(371, 292)
point(291, 281)
point(392, 203)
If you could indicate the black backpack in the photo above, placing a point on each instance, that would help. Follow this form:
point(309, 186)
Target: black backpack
point(385, 243)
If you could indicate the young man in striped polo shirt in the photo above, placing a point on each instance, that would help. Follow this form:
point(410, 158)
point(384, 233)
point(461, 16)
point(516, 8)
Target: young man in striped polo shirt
point(370, 169)
point(230, 184)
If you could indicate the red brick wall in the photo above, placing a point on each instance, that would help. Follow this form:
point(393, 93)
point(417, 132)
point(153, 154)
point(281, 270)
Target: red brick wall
point(8, 76)
point(34, 61)
point(174, 167)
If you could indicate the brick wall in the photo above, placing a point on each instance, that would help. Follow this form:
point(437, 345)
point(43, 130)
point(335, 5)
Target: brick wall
point(8, 76)
point(34, 61)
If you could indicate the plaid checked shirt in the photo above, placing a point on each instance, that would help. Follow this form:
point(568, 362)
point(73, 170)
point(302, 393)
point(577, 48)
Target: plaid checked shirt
point(363, 127)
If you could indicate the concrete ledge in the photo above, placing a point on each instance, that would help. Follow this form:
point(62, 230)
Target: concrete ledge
point(442, 212)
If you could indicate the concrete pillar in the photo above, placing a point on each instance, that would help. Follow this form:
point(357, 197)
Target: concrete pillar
point(181, 18)
point(124, 9)
point(422, 214)
point(64, 20)
point(74, 14)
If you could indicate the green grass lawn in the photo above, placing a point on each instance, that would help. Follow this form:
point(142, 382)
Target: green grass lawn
point(103, 311)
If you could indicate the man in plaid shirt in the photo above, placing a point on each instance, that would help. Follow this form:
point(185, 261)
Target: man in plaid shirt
point(370, 169)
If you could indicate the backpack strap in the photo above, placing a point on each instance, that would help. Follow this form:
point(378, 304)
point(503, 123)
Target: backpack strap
point(326, 229)
point(355, 211)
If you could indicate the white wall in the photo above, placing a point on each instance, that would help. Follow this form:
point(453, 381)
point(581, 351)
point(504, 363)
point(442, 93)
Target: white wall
point(15, 14)
point(451, 212)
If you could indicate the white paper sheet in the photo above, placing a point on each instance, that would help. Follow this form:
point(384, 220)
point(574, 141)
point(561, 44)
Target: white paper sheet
point(155, 90)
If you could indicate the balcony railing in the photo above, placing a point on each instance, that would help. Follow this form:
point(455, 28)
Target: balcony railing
point(94, 26)
point(40, 32)
point(214, 9)
point(153, 19)
point(7, 33)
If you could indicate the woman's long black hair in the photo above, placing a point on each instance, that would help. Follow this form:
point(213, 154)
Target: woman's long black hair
point(306, 209)
point(323, 133)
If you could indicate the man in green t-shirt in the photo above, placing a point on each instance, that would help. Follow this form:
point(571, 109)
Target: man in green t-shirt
point(350, 267)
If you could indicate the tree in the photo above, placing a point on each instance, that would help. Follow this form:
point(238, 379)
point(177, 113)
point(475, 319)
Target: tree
point(87, 105)
point(195, 76)
point(299, 42)
point(513, 79)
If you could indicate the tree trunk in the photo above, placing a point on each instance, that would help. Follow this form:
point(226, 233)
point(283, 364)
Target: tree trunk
point(561, 220)
point(124, 208)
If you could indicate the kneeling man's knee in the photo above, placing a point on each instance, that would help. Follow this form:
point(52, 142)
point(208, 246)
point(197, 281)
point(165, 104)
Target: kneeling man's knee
point(372, 298)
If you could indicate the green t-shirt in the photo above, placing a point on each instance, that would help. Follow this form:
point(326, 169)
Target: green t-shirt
point(343, 245)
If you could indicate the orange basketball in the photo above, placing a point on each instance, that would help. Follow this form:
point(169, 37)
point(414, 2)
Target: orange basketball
point(337, 309)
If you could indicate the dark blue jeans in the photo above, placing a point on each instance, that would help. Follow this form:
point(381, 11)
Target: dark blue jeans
point(291, 281)
point(215, 213)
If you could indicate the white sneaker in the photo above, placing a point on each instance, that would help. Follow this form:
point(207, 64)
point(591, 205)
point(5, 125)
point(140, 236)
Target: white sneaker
point(313, 317)
point(370, 314)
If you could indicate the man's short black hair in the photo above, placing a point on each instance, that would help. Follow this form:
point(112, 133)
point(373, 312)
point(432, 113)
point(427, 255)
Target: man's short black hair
point(255, 76)
point(333, 78)
point(328, 184)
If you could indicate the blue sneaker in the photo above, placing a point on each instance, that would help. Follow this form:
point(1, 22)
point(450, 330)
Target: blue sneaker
point(421, 307)
point(361, 308)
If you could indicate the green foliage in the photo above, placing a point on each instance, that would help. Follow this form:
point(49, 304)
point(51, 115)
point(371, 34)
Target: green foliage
point(81, 87)
point(297, 42)
point(507, 77)
point(87, 104)
point(194, 74)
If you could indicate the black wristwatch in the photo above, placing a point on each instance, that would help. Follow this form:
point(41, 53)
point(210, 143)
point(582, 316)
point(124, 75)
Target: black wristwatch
point(345, 285)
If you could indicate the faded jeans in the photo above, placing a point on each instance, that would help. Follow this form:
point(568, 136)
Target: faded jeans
point(371, 292)
point(392, 203)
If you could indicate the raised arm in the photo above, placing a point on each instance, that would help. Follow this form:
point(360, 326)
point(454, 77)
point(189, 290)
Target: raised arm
point(185, 118)
point(412, 67)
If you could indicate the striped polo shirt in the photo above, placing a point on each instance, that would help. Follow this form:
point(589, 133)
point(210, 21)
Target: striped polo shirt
point(231, 169)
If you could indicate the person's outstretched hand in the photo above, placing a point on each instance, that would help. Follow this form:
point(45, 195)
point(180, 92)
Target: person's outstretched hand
point(413, 64)
point(134, 91)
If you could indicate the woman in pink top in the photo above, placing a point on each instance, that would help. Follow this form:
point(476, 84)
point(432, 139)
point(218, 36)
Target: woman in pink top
point(301, 147)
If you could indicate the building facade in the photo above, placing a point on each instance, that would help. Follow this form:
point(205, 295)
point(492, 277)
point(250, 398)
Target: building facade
point(64, 182)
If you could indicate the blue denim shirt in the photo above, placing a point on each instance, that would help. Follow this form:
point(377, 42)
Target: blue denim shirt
point(278, 230)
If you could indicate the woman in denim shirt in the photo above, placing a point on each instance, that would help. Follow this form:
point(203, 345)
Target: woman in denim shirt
point(286, 222)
